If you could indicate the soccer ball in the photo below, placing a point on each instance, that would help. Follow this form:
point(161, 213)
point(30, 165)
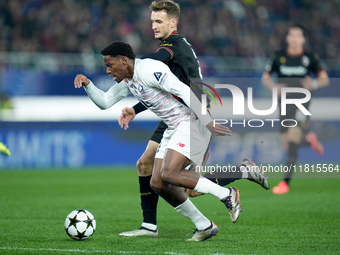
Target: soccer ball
point(80, 224)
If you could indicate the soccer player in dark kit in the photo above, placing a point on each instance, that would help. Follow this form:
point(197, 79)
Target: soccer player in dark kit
point(175, 51)
point(294, 67)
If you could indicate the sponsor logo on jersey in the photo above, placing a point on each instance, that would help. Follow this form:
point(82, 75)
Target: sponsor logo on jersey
point(293, 70)
point(165, 44)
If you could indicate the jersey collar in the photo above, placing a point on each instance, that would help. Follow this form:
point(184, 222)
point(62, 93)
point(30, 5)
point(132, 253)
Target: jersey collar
point(172, 34)
point(295, 56)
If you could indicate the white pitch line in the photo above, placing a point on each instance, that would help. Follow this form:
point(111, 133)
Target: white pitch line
point(89, 251)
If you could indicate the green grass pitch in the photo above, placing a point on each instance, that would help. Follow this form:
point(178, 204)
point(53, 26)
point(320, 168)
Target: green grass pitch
point(34, 204)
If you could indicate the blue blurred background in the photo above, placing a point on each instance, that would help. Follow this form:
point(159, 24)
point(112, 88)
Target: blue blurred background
point(44, 43)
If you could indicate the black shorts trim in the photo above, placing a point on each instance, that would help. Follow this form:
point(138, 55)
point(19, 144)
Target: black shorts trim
point(158, 132)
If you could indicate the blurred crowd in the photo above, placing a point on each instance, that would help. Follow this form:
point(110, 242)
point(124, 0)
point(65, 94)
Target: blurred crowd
point(245, 28)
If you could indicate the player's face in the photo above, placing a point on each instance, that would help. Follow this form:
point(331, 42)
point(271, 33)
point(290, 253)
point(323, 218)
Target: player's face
point(162, 25)
point(295, 38)
point(116, 67)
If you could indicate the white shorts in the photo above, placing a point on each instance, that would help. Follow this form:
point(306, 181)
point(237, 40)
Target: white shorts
point(191, 139)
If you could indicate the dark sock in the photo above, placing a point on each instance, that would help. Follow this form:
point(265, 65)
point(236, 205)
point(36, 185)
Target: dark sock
point(149, 200)
point(293, 149)
point(225, 178)
point(304, 142)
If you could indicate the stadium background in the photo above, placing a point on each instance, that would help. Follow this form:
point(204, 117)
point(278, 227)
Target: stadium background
point(44, 44)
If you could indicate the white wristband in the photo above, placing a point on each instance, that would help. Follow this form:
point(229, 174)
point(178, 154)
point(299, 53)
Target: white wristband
point(315, 84)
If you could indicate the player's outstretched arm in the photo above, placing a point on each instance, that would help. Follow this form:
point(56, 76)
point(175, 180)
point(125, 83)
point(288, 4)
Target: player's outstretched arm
point(103, 100)
point(128, 114)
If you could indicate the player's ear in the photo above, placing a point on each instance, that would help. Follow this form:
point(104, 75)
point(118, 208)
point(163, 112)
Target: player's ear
point(173, 22)
point(123, 60)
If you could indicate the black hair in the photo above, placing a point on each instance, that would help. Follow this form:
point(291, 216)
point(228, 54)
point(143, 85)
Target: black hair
point(299, 26)
point(119, 49)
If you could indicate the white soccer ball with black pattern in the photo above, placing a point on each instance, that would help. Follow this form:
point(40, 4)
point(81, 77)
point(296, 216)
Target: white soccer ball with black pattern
point(80, 224)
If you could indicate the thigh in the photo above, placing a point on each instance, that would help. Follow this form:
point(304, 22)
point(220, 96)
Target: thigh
point(173, 170)
point(150, 151)
point(145, 162)
point(156, 172)
point(172, 194)
point(174, 161)
point(284, 140)
point(295, 134)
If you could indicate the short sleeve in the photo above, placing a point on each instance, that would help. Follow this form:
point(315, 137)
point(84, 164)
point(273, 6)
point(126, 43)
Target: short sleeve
point(162, 55)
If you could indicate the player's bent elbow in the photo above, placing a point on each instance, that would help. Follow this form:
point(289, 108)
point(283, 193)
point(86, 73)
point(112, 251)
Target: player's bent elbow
point(103, 106)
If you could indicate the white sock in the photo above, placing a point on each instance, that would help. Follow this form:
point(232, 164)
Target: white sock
point(206, 186)
point(149, 226)
point(244, 171)
point(189, 210)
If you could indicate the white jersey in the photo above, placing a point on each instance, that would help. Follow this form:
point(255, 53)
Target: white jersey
point(154, 85)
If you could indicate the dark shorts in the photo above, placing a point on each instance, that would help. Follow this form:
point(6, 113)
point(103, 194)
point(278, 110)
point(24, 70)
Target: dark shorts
point(158, 132)
point(293, 112)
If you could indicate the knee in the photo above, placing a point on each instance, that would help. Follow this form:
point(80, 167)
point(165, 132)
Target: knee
point(156, 185)
point(144, 166)
point(294, 134)
point(168, 176)
point(139, 165)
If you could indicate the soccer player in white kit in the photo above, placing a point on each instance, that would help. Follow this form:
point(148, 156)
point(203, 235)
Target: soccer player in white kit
point(185, 140)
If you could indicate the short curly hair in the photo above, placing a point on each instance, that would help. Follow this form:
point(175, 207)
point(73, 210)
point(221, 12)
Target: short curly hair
point(119, 49)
